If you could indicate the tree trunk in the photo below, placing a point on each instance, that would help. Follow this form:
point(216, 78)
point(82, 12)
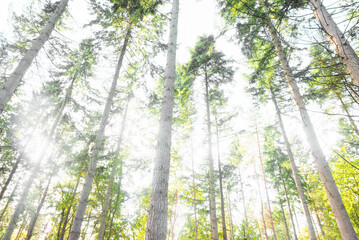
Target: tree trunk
point(9, 200)
point(63, 229)
point(284, 219)
point(116, 161)
point(90, 175)
point(224, 228)
point(294, 168)
point(10, 85)
point(8, 180)
point(265, 185)
point(262, 208)
point(335, 200)
point(287, 200)
point(20, 206)
point(194, 195)
point(230, 218)
point(342, 46)
point(36, 214)
point(212, 193)
point(344, 107)
point(174, 217)
point(156, 228)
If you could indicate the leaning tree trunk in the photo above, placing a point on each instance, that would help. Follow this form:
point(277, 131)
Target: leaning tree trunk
point(224, 228)
point(8, 180)
point(294, 168)
point(212, 192)
point(284, 218)
point(10, 85)
point(9, 200)
point(36, 214)
point(345, 226)
point(63, 229)
point(265, 186)
point(116, 161)
point(90, 175)
point(156, 228)
point(342, 46)
point(20, 206)
point(344, 107)
point(287, 200)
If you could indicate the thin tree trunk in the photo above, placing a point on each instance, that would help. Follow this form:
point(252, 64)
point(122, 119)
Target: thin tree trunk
point(20, 206)
point(344, 107)
point(116, 161)
point(9, 178)
point(23, 224)
point(335, 200)
point(342, 46)
point(63, 229)
point(230, 217)
point(9, 200)
point(174, 217)
point(60, 223)
point(36, 215)
point(81, 207)
point(194, 195)
point(242, 191)
point(156, 228)
point(320, 225)
point(212, 193)
point(296, 220)
point(287, 200)
point(10, 85)
point(265, 185)
point(117, 203)
point(284, 219)
point(262, 208)
point(294, 168)
point(224, 228)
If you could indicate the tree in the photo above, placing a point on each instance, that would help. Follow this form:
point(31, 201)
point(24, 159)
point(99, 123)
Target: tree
point(9, 86)
point(156, 228)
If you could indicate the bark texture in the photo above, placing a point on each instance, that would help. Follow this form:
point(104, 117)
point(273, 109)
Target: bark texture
point(343, 48)
point(90, 175)
point(116, 161)
point(212, 192)
point(345, 226)
point(294, 168)
point(10, 85)
point(224, 227)
point(156, 228)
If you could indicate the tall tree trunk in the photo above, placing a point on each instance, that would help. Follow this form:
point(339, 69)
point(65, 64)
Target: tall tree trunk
point(296, 220)
point(262, 207)
point(294, 168)
point(265, 185)
point(224, 228)
point(116, 161)
point(117, 203)
point(287, 200)
point(194, 195)
point(63, 229)
point(156, 228)
point(90, 175)
point(10, 85)
point(345, 226)
point(344, 107)
point(8, 180)
point(230, 217)
point(22, 227)
point(9, 200)
point(284, 219)
point(243, 201)
point(174, 217)
point(36, 214)
point(342, 46)
point(212, 192)
point(20, 206)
